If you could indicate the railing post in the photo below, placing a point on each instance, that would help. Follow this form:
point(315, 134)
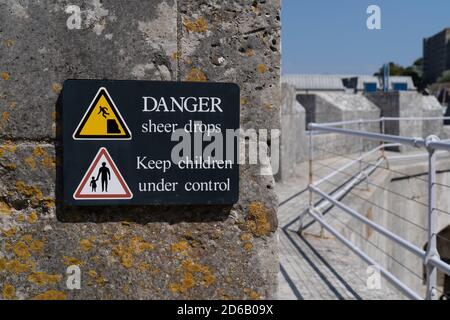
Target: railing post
point(310, 179)
point(432, 222)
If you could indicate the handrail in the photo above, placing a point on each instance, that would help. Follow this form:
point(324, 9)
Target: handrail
point(389, 276)
point(357, 160)
point(430, 256)
point(404, 243)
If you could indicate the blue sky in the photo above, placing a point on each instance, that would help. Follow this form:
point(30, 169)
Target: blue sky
point(330, 36)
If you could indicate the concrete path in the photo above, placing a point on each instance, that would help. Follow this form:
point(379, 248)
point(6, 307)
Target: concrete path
point(312, 267)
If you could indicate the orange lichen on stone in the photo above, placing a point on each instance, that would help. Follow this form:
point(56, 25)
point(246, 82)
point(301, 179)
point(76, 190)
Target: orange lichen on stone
point(48, 161)
point(180, 246)
point(9, 233)
point(33, 217)
point(196, 75)
point(38, 151)
point(175, 56)
point(8, 292)
point(10, 166)
point(21, 250)
point(5, 116)
point(188, 281)
point(9, 43)
point(257, 222)
point(49, 203)
point(250, 53)
point(30, 162)
point(33, 193)
point(21, 217)
point(9, 146)
point(5, 76)
point(253, 295)
point(16, 267)
point(86, 245)
point(69, 261)
point(144, 266)
point(125, 256)
point(56, 87)
point(37, 246)
point(198, 25)
point(248, 246)
point(261, 68)
point(243, 101)
point(245, 237)
point(138, 245)
point(42, 278)
point(13, 105)
point(93, 273)
point(51, 295)
point(5, 209)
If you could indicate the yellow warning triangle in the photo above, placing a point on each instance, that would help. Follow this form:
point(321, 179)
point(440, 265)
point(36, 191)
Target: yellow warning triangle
point(102, 120)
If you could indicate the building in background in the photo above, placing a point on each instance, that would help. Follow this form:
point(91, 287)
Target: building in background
point(436, 55)
point(312, 83)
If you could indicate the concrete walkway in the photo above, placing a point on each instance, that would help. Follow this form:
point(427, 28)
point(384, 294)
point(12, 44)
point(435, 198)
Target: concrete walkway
point(312, 267)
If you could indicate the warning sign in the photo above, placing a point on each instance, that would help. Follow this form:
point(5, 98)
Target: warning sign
point(102, 180)
point(102, 120)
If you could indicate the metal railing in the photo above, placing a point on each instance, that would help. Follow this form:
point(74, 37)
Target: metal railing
point(431, 144)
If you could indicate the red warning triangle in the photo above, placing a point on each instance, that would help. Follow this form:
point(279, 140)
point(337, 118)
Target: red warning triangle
point(102, 180)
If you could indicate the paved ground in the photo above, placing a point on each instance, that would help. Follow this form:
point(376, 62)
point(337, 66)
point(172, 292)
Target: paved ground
point(312, 267)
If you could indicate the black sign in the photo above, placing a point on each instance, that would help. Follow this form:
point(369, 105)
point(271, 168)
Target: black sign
point(150, 142)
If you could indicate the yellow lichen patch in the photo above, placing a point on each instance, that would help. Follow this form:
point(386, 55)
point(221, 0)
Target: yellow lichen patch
point(193, 267)
point(54, 115)
point(33, 217)
point(9, 233)
point(196, 75)
point(10, 166)
point(17, 267)
point(56, 87)
point(9, 146)
point(248, 246)
point(245, 236)
point(21, 250)
point(37, 246)
point(243, 101)
point(93, 273)
point(257, 221)
point(42, 278)
point(186, 283)
point(5, 116)
point(250, 53)
point(180, 246)
point(21, 217)
point(13, 105)
point(127, 259)
point(138, 245)
point(30, 162)
point(253, 295)
point(86, 244)
point(69, 261)
point(144, 266)
point(49, 203)
point(5, 209)
point(9, 43)
point(31, 192)
point(48, 161)
point(51, 295)
point(5, 76)
point(261, 68)
point(198, 25)
point(38, 151)
point(175, 56)
point(8, 292)
point(125, 256)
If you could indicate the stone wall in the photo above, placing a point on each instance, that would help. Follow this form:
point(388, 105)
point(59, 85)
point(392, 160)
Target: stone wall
point(293, 144)
point(131, 252)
